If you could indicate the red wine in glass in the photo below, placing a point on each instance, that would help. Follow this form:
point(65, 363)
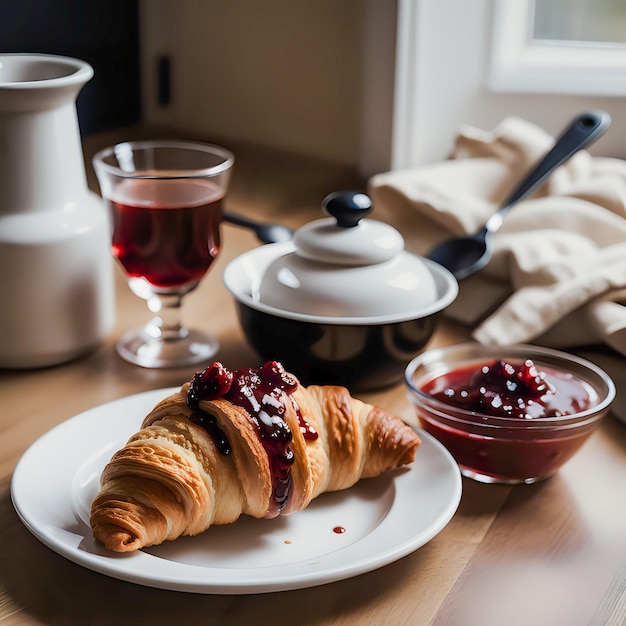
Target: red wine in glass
point(167, 231)
point(165, 201)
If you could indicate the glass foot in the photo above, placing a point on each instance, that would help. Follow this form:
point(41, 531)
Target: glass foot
point(138, 347)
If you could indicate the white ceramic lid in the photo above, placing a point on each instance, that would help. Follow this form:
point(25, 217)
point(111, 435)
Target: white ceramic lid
point(347, 266)
point(347, 238)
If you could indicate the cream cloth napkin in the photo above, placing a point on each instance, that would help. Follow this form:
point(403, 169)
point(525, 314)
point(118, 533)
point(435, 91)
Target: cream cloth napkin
point(558, 275)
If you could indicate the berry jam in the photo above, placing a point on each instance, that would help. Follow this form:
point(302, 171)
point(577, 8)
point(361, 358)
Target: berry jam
point(261, 392)
point(503, 389)
point(211, 383)
point(528, 449)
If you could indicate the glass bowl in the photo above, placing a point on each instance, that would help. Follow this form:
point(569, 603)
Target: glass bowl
point(503, 448)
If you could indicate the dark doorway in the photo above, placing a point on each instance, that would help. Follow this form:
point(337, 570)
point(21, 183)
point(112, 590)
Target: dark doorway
point(105, 33)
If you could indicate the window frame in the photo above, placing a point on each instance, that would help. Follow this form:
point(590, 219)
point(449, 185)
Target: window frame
point(518, 63)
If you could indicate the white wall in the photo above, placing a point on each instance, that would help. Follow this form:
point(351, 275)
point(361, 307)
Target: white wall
point(287, 73)
point(445, 87)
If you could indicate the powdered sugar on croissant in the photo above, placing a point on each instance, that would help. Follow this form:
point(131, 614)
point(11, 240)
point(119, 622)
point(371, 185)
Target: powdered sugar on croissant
point(252, 442)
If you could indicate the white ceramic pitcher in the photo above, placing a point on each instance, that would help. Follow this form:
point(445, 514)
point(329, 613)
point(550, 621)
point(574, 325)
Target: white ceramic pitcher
point(56, 280)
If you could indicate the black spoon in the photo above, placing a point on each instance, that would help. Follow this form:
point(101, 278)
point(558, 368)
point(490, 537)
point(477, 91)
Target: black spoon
point(265, 232)
point(466, 255)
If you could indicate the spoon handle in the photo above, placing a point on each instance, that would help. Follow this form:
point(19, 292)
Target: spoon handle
point(238, 220)
point(583, 130)
point(265, 232)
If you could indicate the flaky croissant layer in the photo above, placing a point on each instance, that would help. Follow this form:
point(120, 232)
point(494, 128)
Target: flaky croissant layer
point(252, 442)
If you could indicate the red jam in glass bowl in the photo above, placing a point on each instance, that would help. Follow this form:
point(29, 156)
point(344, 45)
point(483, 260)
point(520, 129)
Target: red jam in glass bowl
point(512, 389)
point(511, 415)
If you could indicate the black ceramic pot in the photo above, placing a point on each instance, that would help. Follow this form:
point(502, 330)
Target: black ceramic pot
point(360, 357)
point(361, 354)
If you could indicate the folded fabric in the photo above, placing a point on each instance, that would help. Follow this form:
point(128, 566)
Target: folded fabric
point(558, 275)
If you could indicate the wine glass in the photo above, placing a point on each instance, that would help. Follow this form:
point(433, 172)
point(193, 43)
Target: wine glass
point(165, 201)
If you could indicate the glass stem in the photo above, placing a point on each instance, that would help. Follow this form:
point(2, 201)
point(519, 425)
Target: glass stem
point(166, 324)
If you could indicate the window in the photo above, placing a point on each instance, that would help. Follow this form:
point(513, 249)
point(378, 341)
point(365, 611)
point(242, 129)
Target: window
point(599, 21)
point(559, 46)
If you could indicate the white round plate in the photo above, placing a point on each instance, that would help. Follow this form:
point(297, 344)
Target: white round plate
point(339, 535)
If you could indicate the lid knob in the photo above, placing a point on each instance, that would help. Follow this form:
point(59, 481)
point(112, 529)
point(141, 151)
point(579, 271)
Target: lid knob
point(347, 207)
point(346, 238)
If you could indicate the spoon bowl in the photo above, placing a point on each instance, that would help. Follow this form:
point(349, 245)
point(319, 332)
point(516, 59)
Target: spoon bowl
point(467, 255)
point(464, 256)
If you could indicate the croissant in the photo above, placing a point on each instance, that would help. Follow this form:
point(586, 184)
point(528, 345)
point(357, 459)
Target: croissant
point(250, 441)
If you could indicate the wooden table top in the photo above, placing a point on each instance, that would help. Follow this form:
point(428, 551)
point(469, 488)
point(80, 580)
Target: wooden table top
point(550, 553)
